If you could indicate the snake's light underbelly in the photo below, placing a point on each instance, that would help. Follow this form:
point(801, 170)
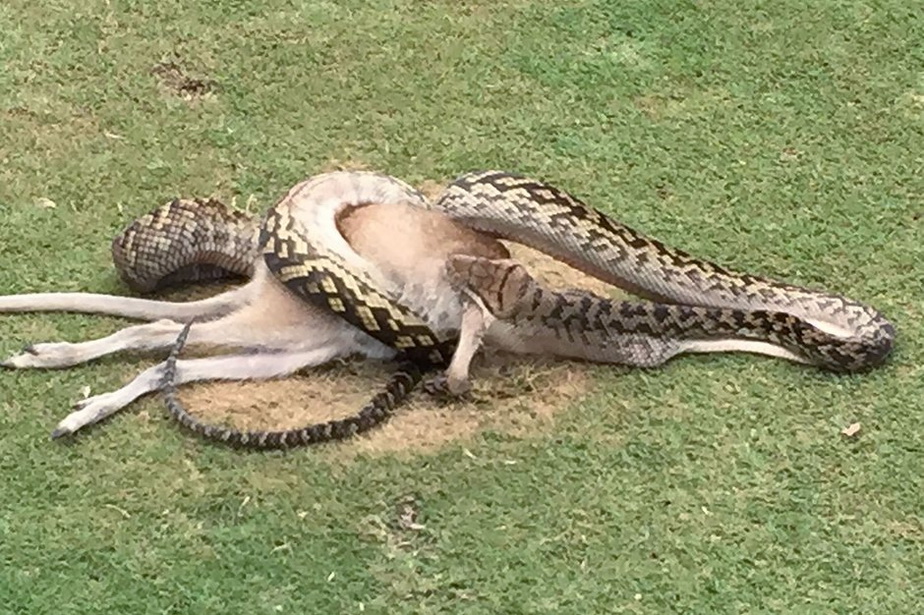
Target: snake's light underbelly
point(692, 305)
point(201, 238)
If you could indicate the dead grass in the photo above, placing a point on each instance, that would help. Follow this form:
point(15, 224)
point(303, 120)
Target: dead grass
point(514, 395)
point(714, 485)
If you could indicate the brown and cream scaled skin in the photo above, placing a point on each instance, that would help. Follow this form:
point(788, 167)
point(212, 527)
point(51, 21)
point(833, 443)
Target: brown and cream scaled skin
point(499, 302)
point(361, 263)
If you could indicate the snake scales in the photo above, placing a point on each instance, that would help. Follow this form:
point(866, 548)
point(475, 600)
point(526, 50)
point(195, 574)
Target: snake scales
point(688, 298)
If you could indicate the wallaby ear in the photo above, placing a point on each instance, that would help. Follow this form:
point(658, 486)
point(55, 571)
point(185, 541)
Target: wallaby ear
point(499, 283)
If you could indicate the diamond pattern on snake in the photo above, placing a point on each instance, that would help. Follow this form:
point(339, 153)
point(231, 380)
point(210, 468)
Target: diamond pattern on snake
point(359, 263)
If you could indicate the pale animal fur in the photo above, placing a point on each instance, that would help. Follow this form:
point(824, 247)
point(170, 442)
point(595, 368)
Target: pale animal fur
point(272, 332)
point(421, 254)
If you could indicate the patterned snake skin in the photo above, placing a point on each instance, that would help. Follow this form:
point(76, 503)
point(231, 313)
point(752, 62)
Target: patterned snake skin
point(692, 299)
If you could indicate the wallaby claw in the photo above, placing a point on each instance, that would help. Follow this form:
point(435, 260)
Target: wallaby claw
point(441, 388)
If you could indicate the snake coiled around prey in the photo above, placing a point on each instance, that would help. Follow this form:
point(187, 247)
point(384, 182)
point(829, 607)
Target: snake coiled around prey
point(686, 298)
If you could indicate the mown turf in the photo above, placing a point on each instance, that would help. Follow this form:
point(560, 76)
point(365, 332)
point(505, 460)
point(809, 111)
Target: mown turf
point(779, 137)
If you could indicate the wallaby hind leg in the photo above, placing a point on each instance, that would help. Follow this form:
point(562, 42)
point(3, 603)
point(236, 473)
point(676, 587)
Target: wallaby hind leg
point(272, 319)
point(260, 366)
point(127, 307)
point(248, 329)
point(151, 336)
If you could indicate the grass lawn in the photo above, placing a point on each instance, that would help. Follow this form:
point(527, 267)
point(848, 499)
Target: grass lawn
point(784, 138)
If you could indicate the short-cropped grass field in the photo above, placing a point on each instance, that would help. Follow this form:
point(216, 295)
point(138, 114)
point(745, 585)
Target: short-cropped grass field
point(784, 138)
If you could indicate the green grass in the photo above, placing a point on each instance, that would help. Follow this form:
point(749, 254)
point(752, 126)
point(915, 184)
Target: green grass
point(783, 138)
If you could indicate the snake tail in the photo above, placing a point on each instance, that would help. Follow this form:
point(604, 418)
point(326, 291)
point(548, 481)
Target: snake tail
point(378, 410)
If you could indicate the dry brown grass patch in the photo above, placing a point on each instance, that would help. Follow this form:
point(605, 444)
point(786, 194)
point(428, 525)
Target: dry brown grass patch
point(515, 395)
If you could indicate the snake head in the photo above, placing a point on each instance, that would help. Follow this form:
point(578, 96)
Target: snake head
point(501, 284)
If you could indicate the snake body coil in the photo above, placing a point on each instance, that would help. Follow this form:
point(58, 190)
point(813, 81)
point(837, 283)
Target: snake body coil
point(378, 410)
point(298, 240)
point(186, 241)
point(827, 330)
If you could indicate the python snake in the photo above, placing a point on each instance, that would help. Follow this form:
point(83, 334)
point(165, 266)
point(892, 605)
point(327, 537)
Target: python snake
point(688, 298)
